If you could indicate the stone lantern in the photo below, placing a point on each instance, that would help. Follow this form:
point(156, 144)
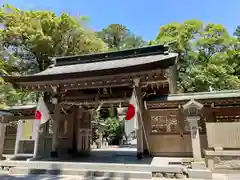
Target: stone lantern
point(192, 111)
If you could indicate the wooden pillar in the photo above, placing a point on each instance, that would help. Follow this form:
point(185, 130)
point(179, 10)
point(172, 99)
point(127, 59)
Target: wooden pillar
point(55, 136)
point(71, 120)
point(172, 79)
point(2, 137)
point(181, 128)
point(140, 132)
point(74, 133)
point(146, 125)
point(84, 132)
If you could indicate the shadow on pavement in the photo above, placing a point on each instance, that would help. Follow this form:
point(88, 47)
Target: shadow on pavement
point(104, 176)
point(90, 175)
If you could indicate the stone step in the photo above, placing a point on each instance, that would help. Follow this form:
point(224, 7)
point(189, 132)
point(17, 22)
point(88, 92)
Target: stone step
point(94, 166)
point(86, 173)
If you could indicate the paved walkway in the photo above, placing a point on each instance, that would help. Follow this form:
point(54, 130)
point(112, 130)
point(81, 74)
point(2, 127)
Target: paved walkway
point(8, 177)
point(41, 177)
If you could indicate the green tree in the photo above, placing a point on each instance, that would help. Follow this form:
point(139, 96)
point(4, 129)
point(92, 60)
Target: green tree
point(237, 32)
point(118, 36)
point(31, 37)
point(205, 55)
point(114, 128)
point(34, 36)
point(133, 41)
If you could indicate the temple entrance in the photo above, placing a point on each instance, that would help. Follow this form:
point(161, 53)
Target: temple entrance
point(90, 135)
point(74, 94)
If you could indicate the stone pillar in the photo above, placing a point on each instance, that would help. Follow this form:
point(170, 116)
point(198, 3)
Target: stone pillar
point(193, 112)
point(2, 137)
point(195, 137)
point(55, 136)
point(198, 167)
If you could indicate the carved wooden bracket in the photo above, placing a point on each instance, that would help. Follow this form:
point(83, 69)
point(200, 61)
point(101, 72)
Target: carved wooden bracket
point(166, 73)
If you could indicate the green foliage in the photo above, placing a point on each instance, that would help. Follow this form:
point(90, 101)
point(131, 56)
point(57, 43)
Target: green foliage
point(114, 127)
point(208, 55)
point(237, 32)
point(118, 36)
point(34, 36)
point(31, 37)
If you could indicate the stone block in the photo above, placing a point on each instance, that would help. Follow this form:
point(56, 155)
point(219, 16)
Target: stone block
point(218, 148)
point(210, 163)
point(169, 175)
point(180, 176)
point(34, 158)
point(199, 173)
point(198, 165)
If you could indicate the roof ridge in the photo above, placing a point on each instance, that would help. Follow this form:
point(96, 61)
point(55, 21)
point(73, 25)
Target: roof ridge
point(107, 56)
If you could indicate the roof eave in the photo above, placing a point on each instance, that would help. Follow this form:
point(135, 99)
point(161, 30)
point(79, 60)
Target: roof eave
point(200, 96)
point(15, 80)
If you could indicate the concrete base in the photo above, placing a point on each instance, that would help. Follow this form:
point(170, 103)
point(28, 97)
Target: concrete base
point(199, 173)
point(198, 165)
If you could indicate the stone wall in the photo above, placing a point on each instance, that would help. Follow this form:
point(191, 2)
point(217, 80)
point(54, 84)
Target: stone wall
point(223, 134)
point(169, 133)
point(173, 144)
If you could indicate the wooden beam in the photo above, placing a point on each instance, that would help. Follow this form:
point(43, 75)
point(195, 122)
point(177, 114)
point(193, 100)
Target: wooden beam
point(87, 103)
point(17, 118)
point(118, 80)
point(159, 72)
point(226, 111)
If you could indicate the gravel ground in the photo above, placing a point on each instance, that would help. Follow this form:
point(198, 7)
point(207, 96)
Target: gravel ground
point(228, 164)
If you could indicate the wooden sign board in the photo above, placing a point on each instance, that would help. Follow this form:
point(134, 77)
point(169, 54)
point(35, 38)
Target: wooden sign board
point(27, 135)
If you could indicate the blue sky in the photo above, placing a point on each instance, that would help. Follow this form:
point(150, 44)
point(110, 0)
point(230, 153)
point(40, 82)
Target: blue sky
point(141, 16)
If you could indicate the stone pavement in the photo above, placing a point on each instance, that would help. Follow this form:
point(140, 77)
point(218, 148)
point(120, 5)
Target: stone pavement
point(32, 177)
point(232, 176)
point(41, 177)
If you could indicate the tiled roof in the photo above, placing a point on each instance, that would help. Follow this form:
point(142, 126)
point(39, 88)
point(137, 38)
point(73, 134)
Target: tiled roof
point(200, 95)
point(105, 65)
